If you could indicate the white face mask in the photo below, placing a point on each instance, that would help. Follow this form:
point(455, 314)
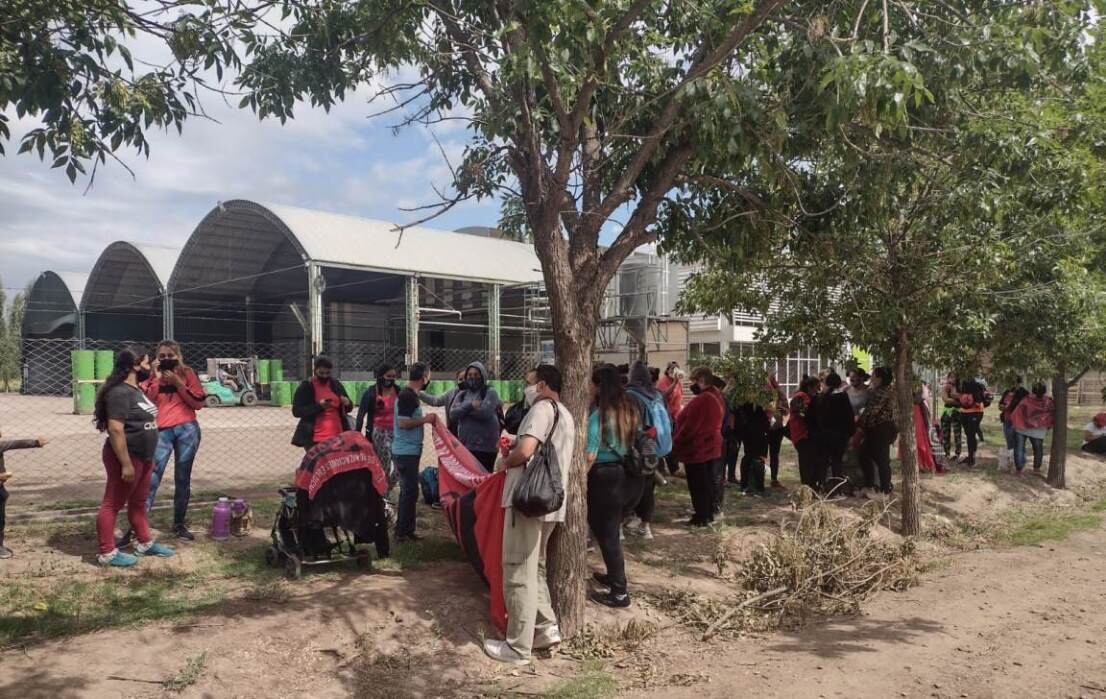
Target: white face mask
point(530, 394)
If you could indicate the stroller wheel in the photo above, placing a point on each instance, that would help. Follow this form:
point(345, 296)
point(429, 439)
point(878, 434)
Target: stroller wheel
point(272, 557)
point(292, 567)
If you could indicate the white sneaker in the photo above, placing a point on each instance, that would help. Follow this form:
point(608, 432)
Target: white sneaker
point(500, 651)
point(646, 532)
point(633, 523)
point(547, 638)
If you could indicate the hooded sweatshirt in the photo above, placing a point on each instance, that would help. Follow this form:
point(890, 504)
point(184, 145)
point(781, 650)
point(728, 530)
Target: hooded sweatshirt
point(477, 428)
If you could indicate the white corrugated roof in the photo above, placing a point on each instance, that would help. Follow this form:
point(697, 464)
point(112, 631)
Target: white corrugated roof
point(370, 243)
point(75, 282)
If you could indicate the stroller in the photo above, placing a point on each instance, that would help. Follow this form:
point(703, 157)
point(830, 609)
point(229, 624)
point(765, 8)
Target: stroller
point(337, 502)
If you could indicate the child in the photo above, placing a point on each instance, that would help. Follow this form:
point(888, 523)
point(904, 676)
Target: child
point(5, 445)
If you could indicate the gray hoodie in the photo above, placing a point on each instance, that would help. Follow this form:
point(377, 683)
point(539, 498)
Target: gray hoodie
point(477, 428)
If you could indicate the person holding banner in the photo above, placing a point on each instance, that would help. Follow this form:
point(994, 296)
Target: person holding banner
point(407, 450)
point(531, 622)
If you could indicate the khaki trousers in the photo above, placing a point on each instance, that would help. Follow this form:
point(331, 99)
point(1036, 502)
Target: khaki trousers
point(525, 586)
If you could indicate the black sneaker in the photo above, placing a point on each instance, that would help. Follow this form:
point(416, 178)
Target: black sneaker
point(125, 540)
point(181, 532)
point(610, 599)
point(602, 578)
point(5, 552)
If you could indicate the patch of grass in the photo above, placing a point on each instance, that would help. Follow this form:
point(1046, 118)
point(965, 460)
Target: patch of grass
point(1099, 506)
point(593, 682)
point(420, 554)
point(1029, 528)
point(68, 607)
point(188, 675)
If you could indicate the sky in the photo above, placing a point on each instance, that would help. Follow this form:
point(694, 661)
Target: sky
point(342, 161)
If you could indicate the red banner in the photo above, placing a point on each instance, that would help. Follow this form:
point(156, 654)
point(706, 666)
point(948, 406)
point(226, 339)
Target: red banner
point(345, 452)
point(472, 501)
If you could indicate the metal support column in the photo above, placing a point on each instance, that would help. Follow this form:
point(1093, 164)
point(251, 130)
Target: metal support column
point(249, 325)
point(316, 285)
point(495, 295)
point(412, 354)
point(80, 330)
point(167, 316)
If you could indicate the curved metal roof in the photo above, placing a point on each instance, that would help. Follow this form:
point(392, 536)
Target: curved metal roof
point(240, 240)
point(128, 274)
point(74, 282)
point(53, 302)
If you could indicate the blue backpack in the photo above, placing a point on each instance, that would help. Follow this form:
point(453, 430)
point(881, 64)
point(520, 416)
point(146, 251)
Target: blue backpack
point(656, 413)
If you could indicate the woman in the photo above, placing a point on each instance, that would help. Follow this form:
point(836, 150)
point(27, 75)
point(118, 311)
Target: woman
point(1009, 401)
point(376, 416)
point(802, 428)
point(923, 447)
point(130, 420)
point(697, 443)
point(322, 405)
point(476, 412)
point(651, 403)
point(1033, 417)
point(972, 403)
point(778, 429)
point(614, 425)
point(878, 423)
point(176, 391)
point(836, 423)
point(950, 416)
point(671, 386)
point(753, 423)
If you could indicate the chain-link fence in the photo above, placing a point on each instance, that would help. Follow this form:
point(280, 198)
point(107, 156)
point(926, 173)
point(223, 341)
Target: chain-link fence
point(243, 448)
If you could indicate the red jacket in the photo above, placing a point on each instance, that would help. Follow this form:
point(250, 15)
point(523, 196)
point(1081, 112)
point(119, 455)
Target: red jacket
point(798, 425)
point(175, 407)
point(698, 436)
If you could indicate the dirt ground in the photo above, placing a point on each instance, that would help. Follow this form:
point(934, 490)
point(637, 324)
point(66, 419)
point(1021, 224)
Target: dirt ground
point(995, 622)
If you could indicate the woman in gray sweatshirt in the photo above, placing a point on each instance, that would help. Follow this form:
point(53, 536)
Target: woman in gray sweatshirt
point(475, 410)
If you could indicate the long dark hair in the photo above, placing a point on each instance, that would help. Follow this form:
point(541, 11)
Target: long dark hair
point(125, 362)
point(615, 408)
point(380, 372)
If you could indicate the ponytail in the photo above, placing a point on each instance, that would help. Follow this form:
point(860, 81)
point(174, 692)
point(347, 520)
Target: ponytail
point(125, 362)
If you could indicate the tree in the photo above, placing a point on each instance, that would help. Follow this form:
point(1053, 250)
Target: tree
point(14, 338)
point(895, 244)
point(5, 346)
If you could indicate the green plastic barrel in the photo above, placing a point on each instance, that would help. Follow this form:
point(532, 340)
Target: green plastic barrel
point(84, 397)
point(276, 370)
point(263, 371)
point(105, 362)
point(282, 391)
point(84, 365)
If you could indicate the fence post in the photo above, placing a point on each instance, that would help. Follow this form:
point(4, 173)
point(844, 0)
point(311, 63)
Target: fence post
point(167, 316)
point(412, 352)
point(495, 293)
point(316, 285)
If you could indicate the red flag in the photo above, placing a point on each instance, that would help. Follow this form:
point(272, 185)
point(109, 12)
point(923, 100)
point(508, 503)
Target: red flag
point(472, 500)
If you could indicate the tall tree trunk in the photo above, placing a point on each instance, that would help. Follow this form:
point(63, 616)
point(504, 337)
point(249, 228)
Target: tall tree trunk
point(1058, 456)
point(904, 420)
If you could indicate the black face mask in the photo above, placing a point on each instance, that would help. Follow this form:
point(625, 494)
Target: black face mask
point(142, 374)
point(695, 389)
point(387, 383)
point(461, 383)
point(474, 384)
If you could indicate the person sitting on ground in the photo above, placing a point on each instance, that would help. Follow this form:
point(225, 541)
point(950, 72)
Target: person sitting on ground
point(878, 423)
point(836, 423)
point(9, 445)
point(407, 450)
point(322, 405)
point(614, 426)
point(476, 411)
point(446, 401)
point(531, 621)
point(1033, 417)
point(1094, 435)
point(697, 443)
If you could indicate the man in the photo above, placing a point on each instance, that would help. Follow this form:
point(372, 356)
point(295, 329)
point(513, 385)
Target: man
point(322, 405)
point(857, 390)
point(531, 622)
point(407, 450)
point(697, 443)
point(7, 445)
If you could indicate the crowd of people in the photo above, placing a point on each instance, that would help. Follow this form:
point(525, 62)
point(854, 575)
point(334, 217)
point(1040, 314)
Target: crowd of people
point(640, 430)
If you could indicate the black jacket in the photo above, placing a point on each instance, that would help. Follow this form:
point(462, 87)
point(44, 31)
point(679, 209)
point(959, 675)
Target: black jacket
point(306, 408)
point(834, 414)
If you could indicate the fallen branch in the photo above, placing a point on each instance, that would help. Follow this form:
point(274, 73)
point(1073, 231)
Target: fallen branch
point(726, 617)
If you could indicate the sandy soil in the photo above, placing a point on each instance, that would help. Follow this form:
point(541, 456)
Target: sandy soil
point(993, 623)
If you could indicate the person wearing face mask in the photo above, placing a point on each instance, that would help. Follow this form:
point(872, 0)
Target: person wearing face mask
point(476, 411)
point(375, 416)
point(446, 400)
point(322, 405)
point(516, 414)
point(1033, 417)
point(129, 418)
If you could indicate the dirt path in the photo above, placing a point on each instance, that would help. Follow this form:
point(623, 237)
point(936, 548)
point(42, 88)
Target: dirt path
point(1026, 622)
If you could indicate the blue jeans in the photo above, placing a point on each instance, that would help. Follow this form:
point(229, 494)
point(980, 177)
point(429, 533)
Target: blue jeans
point(1010, 434)
point(408, 469)
point(184, 441)
point(1019, 451)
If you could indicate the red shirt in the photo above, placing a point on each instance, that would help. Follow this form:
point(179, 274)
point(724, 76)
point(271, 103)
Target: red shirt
point(675, 400)
point(384, 414)
point(698, 437)
point(328, 423)
point(175, 407)
point(797, 425)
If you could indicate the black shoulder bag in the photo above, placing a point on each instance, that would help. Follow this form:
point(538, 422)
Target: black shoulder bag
point(541, 491)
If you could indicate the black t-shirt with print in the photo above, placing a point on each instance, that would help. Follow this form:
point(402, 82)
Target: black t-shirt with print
point(139, 416)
